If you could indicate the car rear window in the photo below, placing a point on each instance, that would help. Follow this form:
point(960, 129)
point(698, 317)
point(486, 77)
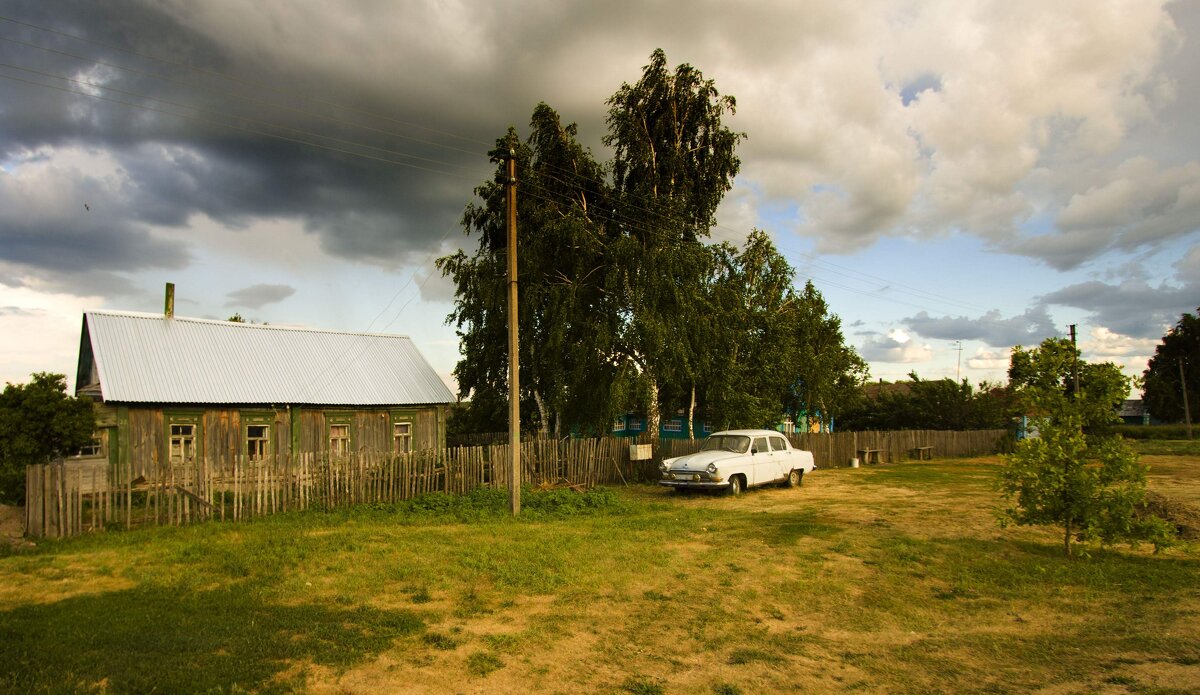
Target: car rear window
point(777, 444)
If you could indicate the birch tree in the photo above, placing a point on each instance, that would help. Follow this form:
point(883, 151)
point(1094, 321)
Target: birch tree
point(674, 160)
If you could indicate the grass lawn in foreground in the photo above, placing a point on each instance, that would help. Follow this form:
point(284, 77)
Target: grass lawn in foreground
point(883, 579)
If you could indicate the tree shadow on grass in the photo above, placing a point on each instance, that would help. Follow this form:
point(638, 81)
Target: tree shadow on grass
point(159, 639)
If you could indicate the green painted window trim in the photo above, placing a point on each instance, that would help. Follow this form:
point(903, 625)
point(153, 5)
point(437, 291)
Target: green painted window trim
point(340, 417)
point(250, 418)
point(408, 416)
point(190, 416)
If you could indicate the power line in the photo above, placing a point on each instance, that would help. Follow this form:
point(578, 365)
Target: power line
point(230, 126)
point(197, 109)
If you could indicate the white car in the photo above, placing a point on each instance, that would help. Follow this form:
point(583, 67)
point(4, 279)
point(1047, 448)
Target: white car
point(735, 460)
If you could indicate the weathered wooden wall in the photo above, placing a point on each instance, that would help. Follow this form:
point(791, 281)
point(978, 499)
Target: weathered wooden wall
point(221, 437)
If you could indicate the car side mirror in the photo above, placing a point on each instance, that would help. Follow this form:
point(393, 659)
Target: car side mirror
point(753, 450)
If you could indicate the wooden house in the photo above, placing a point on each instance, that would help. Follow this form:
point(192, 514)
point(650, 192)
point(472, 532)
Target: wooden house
point(172, 390)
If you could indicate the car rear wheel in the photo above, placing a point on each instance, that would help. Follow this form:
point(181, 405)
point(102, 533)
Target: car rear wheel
point(736, 486)
point(795, 478)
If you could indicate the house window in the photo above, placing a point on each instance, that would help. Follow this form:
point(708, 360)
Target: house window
point(675, 425)
point(401, 437)
point(635, 424)
point(706, 428)
point(183, 443)
point(618, 424)
point(339, 440)
point(92, 448)
point(258, 441)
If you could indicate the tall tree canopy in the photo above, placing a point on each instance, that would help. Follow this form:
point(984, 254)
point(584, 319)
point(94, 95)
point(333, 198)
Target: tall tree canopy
point(1162, 387)
point(561, 266)
point(674, 160)
point(623, 305)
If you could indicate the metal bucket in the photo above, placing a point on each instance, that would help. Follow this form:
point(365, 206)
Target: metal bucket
point(854, 463)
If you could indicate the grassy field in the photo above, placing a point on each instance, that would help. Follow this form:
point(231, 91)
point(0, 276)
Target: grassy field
point(881, 579)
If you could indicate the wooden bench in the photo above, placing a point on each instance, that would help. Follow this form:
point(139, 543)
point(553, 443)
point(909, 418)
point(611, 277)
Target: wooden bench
point(923, 453)
point(868, 456)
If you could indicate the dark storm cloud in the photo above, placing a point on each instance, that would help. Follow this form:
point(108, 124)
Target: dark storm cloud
point(223, 151)
point(1132, 308)
point(992, 328)
point(258, 296)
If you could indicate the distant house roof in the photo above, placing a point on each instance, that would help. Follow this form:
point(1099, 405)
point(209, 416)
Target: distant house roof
point(149, 358)
point(874, 390)
point(1132, 408)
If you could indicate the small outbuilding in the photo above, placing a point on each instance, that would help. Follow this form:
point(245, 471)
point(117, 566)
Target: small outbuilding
point(172, 390)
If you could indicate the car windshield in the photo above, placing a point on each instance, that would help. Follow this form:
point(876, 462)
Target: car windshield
point(736, 443)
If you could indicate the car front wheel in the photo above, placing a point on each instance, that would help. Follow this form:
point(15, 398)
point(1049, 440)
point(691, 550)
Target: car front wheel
point(736, 486)
point(795, 478)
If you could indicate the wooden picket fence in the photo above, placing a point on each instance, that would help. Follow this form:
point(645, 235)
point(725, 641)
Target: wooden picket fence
point(68, 498)
point(72, 497)
point(832, 450)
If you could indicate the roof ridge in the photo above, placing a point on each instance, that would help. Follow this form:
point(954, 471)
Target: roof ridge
point(238, 324)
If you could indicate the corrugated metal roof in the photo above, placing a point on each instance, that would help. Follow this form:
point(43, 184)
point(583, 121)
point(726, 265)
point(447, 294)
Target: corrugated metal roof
point(148, 358)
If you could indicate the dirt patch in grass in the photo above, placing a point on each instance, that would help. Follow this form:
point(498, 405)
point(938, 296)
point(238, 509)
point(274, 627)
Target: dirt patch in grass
point(12, 527)
point(1184, 517)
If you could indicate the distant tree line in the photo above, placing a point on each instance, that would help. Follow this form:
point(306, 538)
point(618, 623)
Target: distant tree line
point(922, 404)
point(624, 306)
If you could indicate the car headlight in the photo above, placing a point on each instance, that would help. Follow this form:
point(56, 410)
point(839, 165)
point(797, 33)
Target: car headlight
point(712, 469)
point(664, 466)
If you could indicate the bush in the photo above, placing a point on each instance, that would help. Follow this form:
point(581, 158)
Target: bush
point(1157, 432)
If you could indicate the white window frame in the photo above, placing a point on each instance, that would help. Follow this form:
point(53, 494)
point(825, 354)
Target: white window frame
point(181, 442)
point(339, 444)
point(402, 442)
point(257, 447)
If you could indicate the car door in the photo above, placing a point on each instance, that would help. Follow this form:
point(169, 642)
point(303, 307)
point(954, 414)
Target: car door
point(781, 458)
point(761, 460)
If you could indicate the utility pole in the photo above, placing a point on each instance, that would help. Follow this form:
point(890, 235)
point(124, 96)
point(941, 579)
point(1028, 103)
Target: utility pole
point(1187, 413)
point(514, 380)
point(514, 353)
point(958, 370)
point(1074, 365)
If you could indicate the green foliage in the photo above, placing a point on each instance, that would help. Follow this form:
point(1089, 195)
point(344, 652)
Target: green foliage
point(1045, 381)
point(38, 422)
point(940, 404)
point(767, 349)
point(1161, 381)
point(1075, 474)
point(492, 503)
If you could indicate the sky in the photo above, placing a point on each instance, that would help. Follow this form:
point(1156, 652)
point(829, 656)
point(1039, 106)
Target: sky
point(955, 177)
